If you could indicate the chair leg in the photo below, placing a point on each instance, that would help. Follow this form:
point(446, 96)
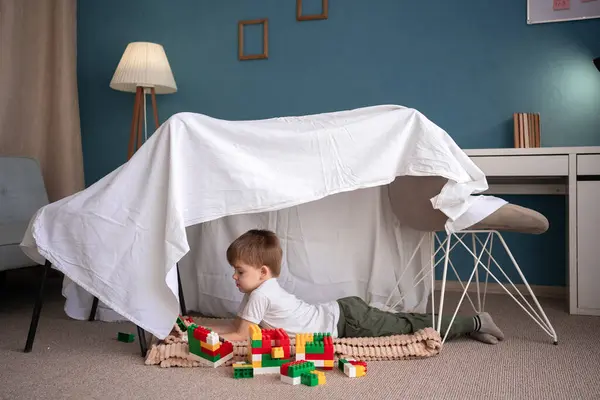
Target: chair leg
point(37, 309)
point(92, 316)
point(143, 342)
point(141, 332)
point(181, 299)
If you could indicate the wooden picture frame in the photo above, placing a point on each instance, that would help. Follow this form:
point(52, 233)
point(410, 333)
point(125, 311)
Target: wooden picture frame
point(265, 53)
point(323, 15)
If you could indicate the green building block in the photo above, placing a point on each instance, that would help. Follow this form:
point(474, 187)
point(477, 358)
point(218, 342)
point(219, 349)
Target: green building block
point(181, 324)
point(245, 371)
point(297, 370)
point(256, 344)
point(341, 363)
point(268, 361)
point(314, 348)
point(209, 358)
point(125, 337)
point(309, 379)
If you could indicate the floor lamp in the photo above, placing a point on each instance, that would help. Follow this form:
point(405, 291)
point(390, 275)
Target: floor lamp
point(143, 69)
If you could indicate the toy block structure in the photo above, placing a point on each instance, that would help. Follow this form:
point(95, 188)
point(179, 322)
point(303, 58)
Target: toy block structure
point(297, 372)
point(315, 347)
point(352, 368)
point(206, 347)
point(242, 369)
point(268, 349)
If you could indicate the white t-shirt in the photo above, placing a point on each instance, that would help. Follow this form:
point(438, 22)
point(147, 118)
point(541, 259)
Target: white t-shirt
point(270, 306)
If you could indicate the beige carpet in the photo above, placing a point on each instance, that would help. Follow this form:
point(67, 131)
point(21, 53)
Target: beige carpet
point(83, 360)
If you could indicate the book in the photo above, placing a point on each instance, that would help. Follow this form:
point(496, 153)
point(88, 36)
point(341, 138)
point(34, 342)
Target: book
point(526, 130)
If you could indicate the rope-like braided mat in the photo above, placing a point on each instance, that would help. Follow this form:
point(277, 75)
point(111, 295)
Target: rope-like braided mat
point(173, 350)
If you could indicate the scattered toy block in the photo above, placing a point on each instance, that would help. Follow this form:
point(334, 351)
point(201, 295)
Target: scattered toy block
point(242, 370)
point(352, 368)
point(309, 379)
point(125, 337)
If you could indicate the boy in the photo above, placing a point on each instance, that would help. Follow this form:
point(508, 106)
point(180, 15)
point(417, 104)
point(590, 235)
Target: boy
point(256, 258)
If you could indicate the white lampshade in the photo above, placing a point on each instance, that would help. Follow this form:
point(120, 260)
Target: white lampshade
point(144, 64)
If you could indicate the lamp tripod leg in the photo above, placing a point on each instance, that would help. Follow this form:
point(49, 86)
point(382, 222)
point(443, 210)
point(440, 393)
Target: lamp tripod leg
point(135, 121)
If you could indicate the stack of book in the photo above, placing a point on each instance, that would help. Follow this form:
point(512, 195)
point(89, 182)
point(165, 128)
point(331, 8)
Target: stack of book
point(527, 129)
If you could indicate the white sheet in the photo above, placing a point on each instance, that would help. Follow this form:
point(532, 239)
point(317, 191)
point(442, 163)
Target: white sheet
point(120, 238)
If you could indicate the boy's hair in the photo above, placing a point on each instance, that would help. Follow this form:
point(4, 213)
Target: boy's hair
point(257, 247)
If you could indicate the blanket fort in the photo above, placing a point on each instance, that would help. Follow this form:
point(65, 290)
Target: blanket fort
point(121, 238)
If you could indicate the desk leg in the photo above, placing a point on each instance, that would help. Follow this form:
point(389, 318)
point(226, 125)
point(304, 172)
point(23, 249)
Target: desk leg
point(572, 234)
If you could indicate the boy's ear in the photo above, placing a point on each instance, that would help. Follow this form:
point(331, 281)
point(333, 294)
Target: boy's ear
point(264, 270)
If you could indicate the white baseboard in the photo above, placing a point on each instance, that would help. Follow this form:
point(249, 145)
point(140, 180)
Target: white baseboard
point(553, 292)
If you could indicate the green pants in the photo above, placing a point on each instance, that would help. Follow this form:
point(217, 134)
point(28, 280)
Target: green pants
point(358, 319)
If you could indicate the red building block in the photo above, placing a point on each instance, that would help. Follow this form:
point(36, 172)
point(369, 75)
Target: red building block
point(200, 333)
point(226, 348)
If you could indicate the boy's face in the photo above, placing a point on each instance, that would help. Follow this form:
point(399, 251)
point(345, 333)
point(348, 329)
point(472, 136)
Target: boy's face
point(247, 277)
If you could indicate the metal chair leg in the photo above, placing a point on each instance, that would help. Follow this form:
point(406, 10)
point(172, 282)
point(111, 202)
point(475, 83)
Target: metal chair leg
point(37, 309)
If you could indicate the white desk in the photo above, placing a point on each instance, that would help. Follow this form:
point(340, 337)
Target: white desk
point(570, 171)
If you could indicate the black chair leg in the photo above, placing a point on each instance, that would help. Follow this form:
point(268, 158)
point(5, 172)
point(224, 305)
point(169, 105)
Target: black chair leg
point(92, 316)
point(181, 299)
point(37, 309)
point(143, 342)
point(141, 332)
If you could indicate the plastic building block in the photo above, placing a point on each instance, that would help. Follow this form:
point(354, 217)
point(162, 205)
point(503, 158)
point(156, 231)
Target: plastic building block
point(242, 370)
point(291, 381)
point(255, 333)
point(295, 369)
point(309, 379)
point(277, 352)
point(181, 324)
point(320, 377)
point(352, 368)
point(125, 337)
point(315, 347)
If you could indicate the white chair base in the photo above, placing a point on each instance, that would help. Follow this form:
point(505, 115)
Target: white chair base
point(446, 246)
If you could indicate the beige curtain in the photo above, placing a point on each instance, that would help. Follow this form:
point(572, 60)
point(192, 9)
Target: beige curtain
point(39, 110)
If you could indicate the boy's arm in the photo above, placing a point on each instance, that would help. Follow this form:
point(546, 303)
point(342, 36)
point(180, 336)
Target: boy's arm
point(251, 312)
point(238, 334)
point(223, 326)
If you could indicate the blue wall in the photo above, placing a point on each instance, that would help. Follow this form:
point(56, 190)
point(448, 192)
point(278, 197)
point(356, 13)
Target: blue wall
point(467, 65)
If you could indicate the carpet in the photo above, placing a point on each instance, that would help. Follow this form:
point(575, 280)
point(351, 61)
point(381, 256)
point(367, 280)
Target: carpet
point(173, 350)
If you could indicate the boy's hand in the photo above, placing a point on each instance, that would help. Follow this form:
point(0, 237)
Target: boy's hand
point(240, 333)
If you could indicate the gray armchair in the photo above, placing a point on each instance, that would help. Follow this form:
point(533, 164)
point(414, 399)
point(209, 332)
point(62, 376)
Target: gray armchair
point(22, 193)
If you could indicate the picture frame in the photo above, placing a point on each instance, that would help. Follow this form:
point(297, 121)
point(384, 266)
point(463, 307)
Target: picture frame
point(265, 53)
point(324, 14)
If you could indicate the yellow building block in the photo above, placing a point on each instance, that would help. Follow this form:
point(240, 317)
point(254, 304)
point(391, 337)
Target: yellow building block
point(360, 370)
point(328, 363)
point(256, 364)
point(320, 375)
point(254, 332)
point(210, 347)
point(277, 352)
point(301, 340)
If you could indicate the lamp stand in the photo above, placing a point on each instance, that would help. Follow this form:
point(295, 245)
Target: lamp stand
point(139, 115)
